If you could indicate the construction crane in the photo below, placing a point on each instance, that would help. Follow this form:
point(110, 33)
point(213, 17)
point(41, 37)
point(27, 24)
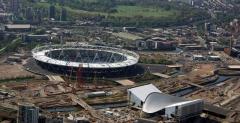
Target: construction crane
point(79, 77)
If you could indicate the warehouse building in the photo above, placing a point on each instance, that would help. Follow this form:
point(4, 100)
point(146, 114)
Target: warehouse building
point(18, 27)
point(198, 58)
point(37, 38)
point(214, 58)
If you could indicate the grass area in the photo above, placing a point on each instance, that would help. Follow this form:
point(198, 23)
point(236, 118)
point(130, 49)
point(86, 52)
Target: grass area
point(128, 15)
point(127, 35)
point(122, 11)
point(131, 11)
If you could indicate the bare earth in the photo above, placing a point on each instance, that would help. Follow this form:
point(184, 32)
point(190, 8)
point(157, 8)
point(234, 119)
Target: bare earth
point(13, 71)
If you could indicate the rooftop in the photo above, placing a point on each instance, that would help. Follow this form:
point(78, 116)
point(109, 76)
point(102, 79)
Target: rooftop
point(158, 101)
point(143, 91)
point(18, 26)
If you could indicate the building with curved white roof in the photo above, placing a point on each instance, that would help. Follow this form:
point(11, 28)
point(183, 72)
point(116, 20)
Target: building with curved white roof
point(152, 101)
point(172, 106)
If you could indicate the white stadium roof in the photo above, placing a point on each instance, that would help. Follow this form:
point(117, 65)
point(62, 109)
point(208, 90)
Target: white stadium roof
point(40, 55)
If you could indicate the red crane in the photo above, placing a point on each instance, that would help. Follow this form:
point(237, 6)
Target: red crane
point(79, 77)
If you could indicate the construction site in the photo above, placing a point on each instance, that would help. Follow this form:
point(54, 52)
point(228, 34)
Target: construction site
point(106, 99)
point(72, 82)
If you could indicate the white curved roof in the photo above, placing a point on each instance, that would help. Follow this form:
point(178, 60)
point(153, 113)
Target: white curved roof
point(142, 92)
point(131, 57)
point(158, 101)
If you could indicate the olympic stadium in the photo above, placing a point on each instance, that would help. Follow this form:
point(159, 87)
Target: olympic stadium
point(91, 60)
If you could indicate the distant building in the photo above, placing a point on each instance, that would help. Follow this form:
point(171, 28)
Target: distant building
point(36, 38)
point(141, 45)
point(63, 15)
point(39, 16)
point(214, 58)
point(29, 14)
point(130, 29)
point(155, 45)
point(18, 27)
point(27, 113)
point(62, 2)
point(197, 47)
point(198, 57)
point(210, 27)
point(14, 59)
point(2, 35)
point(4, 17)
point(52, 11)
point(14, 6)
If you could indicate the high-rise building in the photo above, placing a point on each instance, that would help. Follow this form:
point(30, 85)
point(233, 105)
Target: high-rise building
point(63, 15)
point(29, 14)
point(52, 11)
point(14, 6)
point(27, 113)
point(62, 2)
point(39, 16)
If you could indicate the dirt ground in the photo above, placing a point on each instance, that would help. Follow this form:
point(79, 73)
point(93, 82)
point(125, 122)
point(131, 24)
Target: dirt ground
point(13, 71)
point(202, 70)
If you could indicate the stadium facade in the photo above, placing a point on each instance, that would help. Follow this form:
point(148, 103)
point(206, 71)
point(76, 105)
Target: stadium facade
point(90, 60)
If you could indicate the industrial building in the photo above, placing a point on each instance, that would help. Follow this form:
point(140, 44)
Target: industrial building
point(214, 58)
point(191, 48)
point(155, 45)
point(198, 58)
point(18, 27)
point(35, 38)
point(14, 59)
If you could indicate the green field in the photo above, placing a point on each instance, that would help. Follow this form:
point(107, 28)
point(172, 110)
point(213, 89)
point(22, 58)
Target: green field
point(131, 11)
point(122, 11)
point(138, 15)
